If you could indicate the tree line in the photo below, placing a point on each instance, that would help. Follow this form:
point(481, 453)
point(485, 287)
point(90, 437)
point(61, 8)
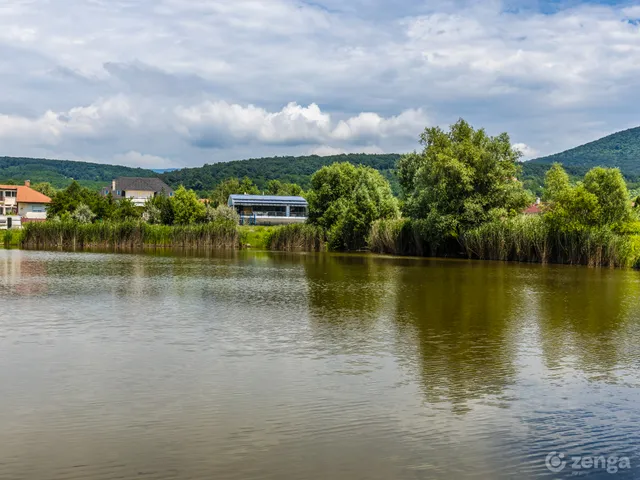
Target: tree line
point(461, 193)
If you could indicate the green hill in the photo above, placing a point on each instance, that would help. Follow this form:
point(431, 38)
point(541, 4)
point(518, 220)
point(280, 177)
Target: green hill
point(621, 149)
point(61, 172)
point(287, 169)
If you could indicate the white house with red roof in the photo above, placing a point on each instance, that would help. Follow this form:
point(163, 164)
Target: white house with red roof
point(20, 204)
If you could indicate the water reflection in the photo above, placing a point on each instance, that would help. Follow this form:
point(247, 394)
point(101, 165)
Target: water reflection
point(589, 319)
point(464, 318)
point(263, 365)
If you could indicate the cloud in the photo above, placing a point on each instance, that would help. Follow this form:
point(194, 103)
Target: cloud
point(51, 128)
point(137, 159)
point(527, 151)
point(195, 81)
point(219, 124)
point(327, 150)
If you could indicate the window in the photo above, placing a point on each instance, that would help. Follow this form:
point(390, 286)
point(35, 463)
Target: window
point(118, 192)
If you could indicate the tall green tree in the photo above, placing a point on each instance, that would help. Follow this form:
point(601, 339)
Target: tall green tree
point(187, 208)
point(220, 194)
point(67, 200)
point(276, 187)
point(608, 185)
point(345, 200)
point(126, 210)
point(461, 179)
point(44, 188)
point(600, 200)
point(556, 182)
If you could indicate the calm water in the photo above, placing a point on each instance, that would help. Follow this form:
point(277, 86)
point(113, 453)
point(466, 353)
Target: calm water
point(266, 366)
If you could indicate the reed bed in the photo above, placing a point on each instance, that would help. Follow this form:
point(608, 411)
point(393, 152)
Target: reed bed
point(10, 238)
point(519, 239)
point(301, 237)
point(395, 237)
point(529, 239)
point(129, 235)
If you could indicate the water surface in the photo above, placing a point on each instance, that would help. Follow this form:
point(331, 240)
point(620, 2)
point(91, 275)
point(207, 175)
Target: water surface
point(251, 365)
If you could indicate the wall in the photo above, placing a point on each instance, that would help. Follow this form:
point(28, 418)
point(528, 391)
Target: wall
point(32, 210)
point(138, 196)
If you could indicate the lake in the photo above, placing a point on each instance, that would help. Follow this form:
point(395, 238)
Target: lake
point(252, 365)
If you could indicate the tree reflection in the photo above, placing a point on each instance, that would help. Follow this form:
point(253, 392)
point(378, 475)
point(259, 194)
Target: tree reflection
point(588, 319)
point(463, 317)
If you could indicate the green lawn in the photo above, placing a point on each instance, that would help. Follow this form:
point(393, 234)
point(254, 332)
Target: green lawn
point(255, 236)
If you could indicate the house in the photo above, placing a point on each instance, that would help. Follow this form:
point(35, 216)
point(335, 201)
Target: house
point(20, 204)
point(138, 189)
point(269, 209)
point(534, 209)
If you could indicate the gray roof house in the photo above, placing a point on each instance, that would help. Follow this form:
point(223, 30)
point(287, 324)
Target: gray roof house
point(138, 189)
point(269, 209)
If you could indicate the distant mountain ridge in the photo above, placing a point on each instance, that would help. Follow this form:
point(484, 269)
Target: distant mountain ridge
point(620, 149)
point(286, 169)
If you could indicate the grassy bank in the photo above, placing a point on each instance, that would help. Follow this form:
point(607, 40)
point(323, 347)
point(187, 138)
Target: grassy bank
point(256, 236)
point(129, 235)
point(297, 237)
point(518, 239)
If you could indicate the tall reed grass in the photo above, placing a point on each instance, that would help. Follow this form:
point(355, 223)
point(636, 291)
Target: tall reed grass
point(524, 238)
point(301, 236)
point(529, 239)
point(396, 237)
point(10, 238)
point(129, 234)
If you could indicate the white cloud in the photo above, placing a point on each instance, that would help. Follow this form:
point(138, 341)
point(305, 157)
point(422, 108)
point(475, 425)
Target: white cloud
point(327, 150)
point(93, 121)
point(137, 159)
point(145, 76)
point(218, 124)
point(527, 151)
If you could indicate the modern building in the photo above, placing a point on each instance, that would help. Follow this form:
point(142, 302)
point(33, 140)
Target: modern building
point(269, 209)
point(20, 204)
point(138, 189)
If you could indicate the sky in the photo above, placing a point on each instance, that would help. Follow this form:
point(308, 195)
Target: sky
point(174, 83)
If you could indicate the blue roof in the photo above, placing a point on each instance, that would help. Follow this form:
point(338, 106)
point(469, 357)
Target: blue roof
point(266, 200)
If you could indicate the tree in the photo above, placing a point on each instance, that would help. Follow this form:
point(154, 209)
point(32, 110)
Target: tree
point(230, 186)
point(345, 200)
point(276, 187)
point(165, 206)
point(556, 182)
point(44, 188)
point(221, 213)
point(67, 200)
point(601, 200)
point(461, 179)
point(126, 210)
point(83, 214)
point(151, 213)
point(608, 185)
point(187, 208)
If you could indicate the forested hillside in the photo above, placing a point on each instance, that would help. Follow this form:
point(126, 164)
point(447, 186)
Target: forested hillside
point(286, 169)
point(60, 173)
point(621, 149)
point(612, 150)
